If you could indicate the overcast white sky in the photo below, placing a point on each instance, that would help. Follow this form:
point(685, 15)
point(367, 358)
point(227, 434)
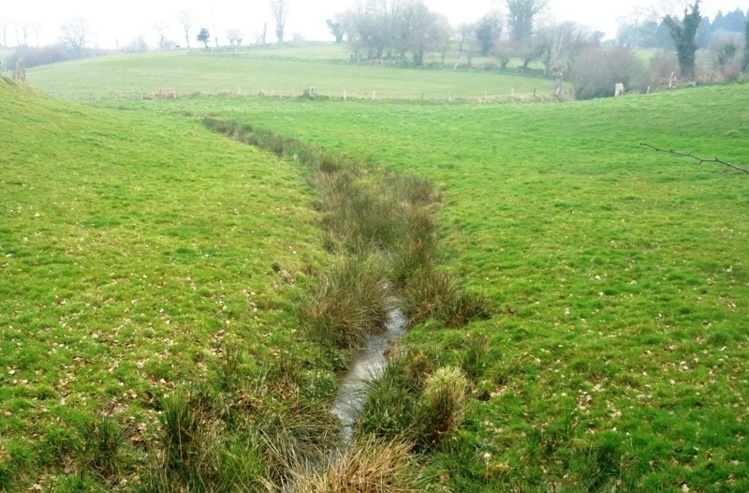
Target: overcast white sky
point(123, 20)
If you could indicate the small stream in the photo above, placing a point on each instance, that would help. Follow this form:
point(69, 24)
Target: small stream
point(369, 365)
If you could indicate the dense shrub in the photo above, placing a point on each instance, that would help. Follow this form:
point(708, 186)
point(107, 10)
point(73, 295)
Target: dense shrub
point(597, 70)
point(727, 57)
point(662, 68)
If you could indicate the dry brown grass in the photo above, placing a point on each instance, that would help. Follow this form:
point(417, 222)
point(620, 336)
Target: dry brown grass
point(369, 465)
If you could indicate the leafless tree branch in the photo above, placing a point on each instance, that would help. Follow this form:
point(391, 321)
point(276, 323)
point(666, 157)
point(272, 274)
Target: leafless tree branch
point(698, 158)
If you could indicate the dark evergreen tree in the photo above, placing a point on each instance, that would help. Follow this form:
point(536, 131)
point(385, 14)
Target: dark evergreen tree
point(732, 22)
point(204, 36)
point(684, 33)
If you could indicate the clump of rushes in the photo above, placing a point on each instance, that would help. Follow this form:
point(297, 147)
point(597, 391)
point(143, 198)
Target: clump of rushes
point(474, 358)
point(372, 217)
point(414, 402)
point(198, 455)
point(435, 294)
point(369, 465)
point(390, 409)
point(189, 444)
point(102, 444)
point(347, 305)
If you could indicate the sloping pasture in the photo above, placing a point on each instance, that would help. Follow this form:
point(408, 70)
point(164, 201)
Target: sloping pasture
point(619, 277)
point(137, 252)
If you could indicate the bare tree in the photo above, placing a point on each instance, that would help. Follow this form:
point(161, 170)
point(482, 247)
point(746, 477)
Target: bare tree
point(234, 36)
point(561, 43)
point(279, 9)
point(264, 35)
point(402, 27)
point(186, 20)
point(745, 60)
point(22, 32)
point(521, 16)
point(4, 30)
point(137, 45)
point(370, 27)
point(38, 29)
point(417, 29)
point(161, 26)
point(75, 33)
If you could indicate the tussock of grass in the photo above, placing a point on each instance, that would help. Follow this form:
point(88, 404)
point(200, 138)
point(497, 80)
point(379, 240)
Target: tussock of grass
point(436, 294)
point(389, 410)
point(347, 305)
point(441, 407)
point(239, 440)
point(475, 357)
point(103, 441)
point(413, 400)
point(192, 455)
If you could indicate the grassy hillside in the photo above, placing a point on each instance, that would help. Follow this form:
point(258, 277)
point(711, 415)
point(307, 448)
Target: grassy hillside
point(127, 76)
point(135, 252)
point(618, 276)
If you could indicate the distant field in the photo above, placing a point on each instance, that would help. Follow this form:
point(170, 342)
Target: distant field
point(135, 76)
point(619, 277)
point(320, 51)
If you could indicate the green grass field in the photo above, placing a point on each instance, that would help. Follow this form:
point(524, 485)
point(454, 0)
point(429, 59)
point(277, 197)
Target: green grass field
point(617, 276)
point(250, 73)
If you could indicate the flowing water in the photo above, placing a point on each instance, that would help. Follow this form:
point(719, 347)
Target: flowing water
point(368, 365)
